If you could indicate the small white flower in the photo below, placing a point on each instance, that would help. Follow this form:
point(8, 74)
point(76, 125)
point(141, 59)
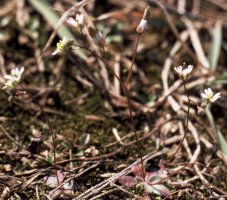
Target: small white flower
point(183, 73)
point(17, 73)
point(72, 22)
point(142, 26)
point(78, 22)
point(80, 19)
point(209, 95)
point(13, 79)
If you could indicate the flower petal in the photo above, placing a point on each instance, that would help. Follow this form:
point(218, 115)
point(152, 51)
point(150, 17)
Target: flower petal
point(204, 95)
point(21, 70)
point(80, 18)
point(72, 22)
point(178, 69)
point(215, 97)
point(190, 68)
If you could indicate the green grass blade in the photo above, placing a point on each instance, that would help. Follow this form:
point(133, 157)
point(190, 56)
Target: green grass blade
point(218, 134)
point(222, 142)
point(216, 34)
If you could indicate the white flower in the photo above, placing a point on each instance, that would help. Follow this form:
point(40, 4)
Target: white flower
point(15, 74)
point(183, 73)
point(80, 19)
point(63, 45)
point(9, 84)
point(78, 22)
point(142, 26)
point(14, 78)
point(209, 95)
point(72, 22)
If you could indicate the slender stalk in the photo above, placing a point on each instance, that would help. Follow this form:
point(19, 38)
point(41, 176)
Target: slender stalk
point(135, 132)
point(125, 88)
point(133, 58)
point(187, 119)
point(130, 105)
point(104, 54)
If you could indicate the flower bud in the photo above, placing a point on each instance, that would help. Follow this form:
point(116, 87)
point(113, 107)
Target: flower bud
point(77, 23)
point(143, 23)
point(97, 37)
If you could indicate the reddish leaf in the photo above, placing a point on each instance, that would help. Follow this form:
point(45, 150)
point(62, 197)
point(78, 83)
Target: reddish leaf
point(127, 181)
point(52, 181)
point(137, 170)
point(55, 194)
point(61, 176)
